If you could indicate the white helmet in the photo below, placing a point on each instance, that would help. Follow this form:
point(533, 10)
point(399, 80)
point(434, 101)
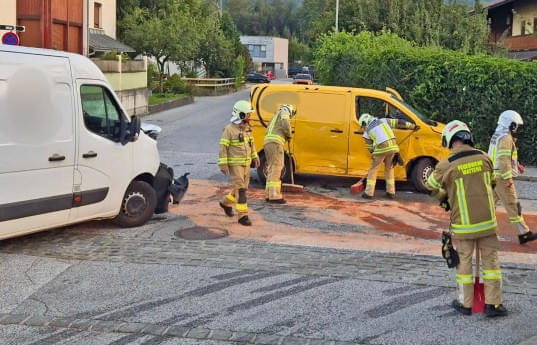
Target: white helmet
point(510, 119)
point(241, 109)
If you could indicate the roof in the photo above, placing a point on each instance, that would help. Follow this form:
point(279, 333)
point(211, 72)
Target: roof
point(498, 3)
point(524, 55)
point(101, 42)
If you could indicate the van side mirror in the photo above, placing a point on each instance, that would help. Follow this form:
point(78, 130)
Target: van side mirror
point(130, 130)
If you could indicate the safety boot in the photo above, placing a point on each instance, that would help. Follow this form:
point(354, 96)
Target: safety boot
point(527, 237)
point(492, 310)
point(245, 221)
point(390, 196)
point(461, 308)
point(228, 210)
point(278, 201)
point(366, 196)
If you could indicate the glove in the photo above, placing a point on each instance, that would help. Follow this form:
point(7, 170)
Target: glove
point(448, 252)
point(445, 205)
point(224, 169)
point(510, 182)
point(256, 163)
point(521, 168)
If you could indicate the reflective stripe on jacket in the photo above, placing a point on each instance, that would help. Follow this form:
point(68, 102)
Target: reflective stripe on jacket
point(504, 155)
point(467, 182)
point(279, 129)
point(237, 145)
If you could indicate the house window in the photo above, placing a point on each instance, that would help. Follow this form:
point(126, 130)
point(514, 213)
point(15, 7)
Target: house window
point(257, 50)
point(523, 27)
point(97, 15)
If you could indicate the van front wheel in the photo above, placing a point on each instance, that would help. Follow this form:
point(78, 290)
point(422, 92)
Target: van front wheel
point(138, 205)
point(420, 173)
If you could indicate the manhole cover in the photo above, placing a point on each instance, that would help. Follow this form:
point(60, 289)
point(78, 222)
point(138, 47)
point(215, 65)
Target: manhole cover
point(199, 233)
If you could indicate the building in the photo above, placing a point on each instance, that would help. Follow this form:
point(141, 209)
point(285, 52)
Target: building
point(268, 53)
point(513, 23)
point(79, 26)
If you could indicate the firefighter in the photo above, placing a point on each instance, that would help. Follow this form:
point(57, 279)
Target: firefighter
point(464, 184)
point(237, 152)
point(381, 143)
point(504, 156)
point(278, 132)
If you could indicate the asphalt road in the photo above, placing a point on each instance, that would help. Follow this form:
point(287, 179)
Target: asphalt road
point(317, 271)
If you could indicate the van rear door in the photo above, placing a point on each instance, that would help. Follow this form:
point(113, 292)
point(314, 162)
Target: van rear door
point(37, 144)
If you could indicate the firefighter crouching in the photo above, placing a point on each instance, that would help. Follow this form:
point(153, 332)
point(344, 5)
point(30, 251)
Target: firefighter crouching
point(237, 152)
point(278, 132)
point(381, 143)
point(465, 179)
point(504, 156)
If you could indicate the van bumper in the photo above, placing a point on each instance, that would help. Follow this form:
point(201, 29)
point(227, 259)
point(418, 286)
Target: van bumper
point(168, 189)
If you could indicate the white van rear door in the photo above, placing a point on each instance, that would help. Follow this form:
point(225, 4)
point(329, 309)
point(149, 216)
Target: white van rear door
point(37, 144)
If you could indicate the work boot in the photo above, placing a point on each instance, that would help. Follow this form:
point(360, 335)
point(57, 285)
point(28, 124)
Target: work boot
point(492, 310)
point(278, 201)
point(245, 221)
point(228, 210)
point(527, 237)
point(461, 308)
point(390, 196)
point(366, 196)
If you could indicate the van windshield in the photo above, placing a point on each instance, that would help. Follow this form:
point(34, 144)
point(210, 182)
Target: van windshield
point(416, 112)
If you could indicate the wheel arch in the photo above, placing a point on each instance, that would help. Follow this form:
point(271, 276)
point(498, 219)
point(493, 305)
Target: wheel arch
point(410, 166)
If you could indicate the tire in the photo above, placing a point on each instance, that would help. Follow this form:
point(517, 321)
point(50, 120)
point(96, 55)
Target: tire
point(286, 177)
point(137, 206)
point(420, 172)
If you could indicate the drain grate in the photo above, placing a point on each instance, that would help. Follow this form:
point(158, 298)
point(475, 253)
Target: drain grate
point(199, 233)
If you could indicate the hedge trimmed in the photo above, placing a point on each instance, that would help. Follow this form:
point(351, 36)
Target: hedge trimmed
point(443, 84)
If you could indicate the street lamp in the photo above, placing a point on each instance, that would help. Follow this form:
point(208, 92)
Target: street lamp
point(337, 15)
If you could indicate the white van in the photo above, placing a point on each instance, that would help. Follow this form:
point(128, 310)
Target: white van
point(68, 150)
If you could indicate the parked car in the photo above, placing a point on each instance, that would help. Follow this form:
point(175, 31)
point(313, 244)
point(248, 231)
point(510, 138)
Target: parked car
point(254, 77)
point(328, 139)
point(70, 152)
point(303, 78)
point(292, 71)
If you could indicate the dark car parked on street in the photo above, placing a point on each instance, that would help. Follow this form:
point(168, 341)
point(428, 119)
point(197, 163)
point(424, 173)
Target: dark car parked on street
point(254, 77)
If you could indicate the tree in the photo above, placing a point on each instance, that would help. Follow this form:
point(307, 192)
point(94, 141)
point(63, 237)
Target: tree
point(168, 30)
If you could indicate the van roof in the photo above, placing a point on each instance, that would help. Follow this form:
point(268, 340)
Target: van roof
point(81, 66)
point(321, 88)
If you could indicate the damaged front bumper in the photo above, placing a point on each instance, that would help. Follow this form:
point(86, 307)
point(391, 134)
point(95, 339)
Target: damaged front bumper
point(168, 189)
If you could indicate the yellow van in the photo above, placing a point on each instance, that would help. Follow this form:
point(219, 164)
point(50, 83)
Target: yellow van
point(327, 139)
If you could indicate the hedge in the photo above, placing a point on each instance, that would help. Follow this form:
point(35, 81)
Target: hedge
point(443, 84)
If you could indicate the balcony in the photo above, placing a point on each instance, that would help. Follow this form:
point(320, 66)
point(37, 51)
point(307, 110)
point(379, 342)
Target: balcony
point(521, 43)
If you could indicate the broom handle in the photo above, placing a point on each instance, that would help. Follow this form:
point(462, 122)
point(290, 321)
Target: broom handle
point(290, 163)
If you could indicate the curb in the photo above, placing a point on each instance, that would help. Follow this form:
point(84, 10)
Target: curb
point(530, 341)
point(170, 105)
point(526, 178)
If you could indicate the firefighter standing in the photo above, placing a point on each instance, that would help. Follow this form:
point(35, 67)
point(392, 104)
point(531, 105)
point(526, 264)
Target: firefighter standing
point(504, 156)
point(381, 143)
point(237, 151)
point(278, 132)
point(465, 181)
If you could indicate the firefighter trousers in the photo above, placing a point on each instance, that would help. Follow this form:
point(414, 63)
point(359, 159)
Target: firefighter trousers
point(507, 195)
point(490, 264)
point(274, 162)
point(240, 180)
point(377, 160)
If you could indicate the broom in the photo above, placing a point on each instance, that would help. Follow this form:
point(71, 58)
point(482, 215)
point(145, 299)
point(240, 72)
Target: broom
point(479, 288)
point(358, 186)
point(292, 187)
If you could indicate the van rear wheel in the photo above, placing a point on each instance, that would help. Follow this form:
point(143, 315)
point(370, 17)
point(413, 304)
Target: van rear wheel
point(138, 205)
point(420, 173)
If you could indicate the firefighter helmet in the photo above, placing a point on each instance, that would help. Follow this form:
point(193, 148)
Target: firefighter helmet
point(456, 130)
point(510, 119)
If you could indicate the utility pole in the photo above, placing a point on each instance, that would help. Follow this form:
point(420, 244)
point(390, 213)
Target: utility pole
point(337, 15)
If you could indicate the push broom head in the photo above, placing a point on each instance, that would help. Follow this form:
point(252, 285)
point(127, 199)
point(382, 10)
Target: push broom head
point(292, 188)
point(358, 187)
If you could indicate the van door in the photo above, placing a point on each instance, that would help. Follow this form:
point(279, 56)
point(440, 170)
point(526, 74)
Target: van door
point(321, 133)
point(37, 142)
point(104, 165)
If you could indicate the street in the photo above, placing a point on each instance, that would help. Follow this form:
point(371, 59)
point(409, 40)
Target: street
point(327, 268)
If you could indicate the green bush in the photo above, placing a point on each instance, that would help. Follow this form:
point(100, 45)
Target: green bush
point(112, 56)
point(174, 84)
point(238, 72)
point(443, 84)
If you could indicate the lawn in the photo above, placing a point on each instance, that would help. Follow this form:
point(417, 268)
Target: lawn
point(157, 98)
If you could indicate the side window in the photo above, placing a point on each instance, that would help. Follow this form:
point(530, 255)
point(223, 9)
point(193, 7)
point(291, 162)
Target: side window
point(379, 108)
point(101, 113)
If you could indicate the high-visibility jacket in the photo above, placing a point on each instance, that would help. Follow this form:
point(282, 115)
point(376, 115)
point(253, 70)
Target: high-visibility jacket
point(466, 178)
point(279, 129)
point(379, 136)
point(237, 145)
point(504, 155)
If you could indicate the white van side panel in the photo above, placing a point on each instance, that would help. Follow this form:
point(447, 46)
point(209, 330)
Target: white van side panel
point(36, 124)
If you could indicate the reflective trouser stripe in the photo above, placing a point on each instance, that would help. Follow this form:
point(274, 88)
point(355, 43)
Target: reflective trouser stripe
point(492, 274)
point(390, 181)
point(230, 197)
point(465, 279)
point(273, 184)
point(243, 208)
point(514, 220)
point(371, 182)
